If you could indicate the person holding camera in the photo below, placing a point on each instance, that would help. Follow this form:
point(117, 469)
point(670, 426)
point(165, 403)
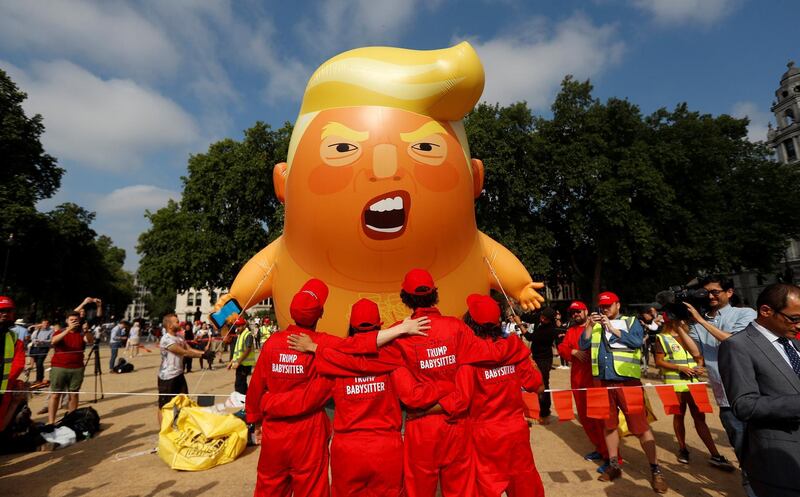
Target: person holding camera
point(718, 323)
point(615, 342)
point(66, 367)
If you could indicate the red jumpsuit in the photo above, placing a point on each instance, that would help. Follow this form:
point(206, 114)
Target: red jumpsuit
point(294, 449)
point(581, 377)
point(367, 448)
point(436, 448)
point(502, 447)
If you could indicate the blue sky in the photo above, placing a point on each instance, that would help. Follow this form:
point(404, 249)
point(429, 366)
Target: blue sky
point(129, 89)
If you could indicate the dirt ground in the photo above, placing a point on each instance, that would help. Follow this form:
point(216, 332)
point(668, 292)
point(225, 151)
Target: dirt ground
point(116, 461)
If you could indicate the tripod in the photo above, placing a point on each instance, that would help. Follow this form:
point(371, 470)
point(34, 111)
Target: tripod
point(98, 373)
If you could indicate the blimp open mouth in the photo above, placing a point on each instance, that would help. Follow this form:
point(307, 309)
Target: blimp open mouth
point(385, 216)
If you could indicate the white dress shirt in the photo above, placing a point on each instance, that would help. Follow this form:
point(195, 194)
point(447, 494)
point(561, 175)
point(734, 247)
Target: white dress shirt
point(773, 339)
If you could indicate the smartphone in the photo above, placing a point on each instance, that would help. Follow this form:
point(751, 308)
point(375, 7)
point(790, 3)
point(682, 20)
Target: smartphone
point(231, 307)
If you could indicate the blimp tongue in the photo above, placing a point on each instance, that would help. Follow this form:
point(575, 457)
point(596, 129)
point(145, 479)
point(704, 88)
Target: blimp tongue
point(386, 221)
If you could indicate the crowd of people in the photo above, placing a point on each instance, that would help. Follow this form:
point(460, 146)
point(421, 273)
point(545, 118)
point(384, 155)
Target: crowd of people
point(459, 379)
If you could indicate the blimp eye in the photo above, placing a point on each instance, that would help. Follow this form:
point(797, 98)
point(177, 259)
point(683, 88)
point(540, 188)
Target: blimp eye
point(430, 150)
point(344, 147)
point(424, 146)
point(337, 151)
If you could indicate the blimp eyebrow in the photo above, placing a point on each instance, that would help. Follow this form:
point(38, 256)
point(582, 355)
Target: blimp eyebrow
point(427, 129)
point(338, 129)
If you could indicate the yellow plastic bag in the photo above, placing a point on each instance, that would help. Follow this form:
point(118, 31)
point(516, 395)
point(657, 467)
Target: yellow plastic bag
point(192, 439)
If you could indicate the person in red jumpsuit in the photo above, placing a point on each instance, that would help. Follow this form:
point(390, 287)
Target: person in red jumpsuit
point(581, 378)
point(367, 449)
point(492, 400)
point(436, 448)
point(294, 449)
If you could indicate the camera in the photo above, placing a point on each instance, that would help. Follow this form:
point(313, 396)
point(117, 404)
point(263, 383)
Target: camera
point(672, 300)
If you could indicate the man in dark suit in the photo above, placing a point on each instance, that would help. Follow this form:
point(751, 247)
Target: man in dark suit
point(760, 368)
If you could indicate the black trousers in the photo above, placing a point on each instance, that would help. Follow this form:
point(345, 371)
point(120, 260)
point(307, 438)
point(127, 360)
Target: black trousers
point(242, 372)
point(39, 354)
point(544, 364)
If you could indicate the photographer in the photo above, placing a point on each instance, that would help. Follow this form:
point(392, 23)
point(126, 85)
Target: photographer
point(718, 323)
point(66, 372)
point(614, 342)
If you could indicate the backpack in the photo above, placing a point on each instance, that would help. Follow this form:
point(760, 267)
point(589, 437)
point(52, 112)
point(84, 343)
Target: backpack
point(123, 366)
point(85, 422)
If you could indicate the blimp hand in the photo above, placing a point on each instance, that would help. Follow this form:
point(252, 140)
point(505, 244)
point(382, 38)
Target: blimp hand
point(529, 298)
point(302, 343)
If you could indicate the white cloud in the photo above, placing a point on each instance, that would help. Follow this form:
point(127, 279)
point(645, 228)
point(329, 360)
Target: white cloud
point(111, 35)
point(135, 200)
point(530, 64)
point(344, 24)
point(759, 119)
point(683, 11)
point(106, 124)
point(120, 215)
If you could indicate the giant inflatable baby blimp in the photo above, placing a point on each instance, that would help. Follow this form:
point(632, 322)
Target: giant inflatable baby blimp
point(379, 180)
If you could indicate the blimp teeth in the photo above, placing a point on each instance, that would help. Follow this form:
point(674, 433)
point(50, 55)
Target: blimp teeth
point(385, 230)
point(387, 204)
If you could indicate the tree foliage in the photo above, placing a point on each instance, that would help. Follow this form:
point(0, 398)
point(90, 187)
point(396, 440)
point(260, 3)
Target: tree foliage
point(227, 213)
point(597, 194)
point(640, 203)
point(52, 260)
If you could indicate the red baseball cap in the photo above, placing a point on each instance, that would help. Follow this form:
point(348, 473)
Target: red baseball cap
point(307, 303)
point(607, 298)
point(418, 282)
point(483, 309)
point(365, 315)
point(577, 305)
point(6, 303)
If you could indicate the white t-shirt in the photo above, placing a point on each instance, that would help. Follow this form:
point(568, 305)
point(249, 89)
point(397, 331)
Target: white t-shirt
point(171, 364)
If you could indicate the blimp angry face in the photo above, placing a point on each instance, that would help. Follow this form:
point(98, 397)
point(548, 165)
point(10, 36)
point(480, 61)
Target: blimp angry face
point(378, 186)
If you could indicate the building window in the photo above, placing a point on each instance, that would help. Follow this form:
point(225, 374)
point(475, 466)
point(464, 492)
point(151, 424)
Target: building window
point(791, 152)
point(198, 300)
point(789, 115)
point(213, 297)
point(190, 299)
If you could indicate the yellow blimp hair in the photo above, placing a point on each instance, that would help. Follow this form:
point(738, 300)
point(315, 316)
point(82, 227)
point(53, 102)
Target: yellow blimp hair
point(443, 84)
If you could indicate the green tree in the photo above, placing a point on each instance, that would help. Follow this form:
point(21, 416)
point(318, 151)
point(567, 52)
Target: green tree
point(53, 259)
point(227, 213)
point(508, 209)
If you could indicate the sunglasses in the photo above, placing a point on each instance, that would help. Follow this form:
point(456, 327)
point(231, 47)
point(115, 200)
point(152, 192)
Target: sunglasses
point(791, 319)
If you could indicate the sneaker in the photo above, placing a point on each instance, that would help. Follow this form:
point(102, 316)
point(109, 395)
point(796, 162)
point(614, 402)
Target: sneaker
point(658, 483)
point(610, 473)
point(683, 456)
point(593, 456)
point(720, 462)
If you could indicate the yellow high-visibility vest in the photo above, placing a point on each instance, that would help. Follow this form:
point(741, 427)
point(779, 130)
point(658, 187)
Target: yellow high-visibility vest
point(627, 362)
point(238, 351)
point(8, 358)
point(674, 353)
